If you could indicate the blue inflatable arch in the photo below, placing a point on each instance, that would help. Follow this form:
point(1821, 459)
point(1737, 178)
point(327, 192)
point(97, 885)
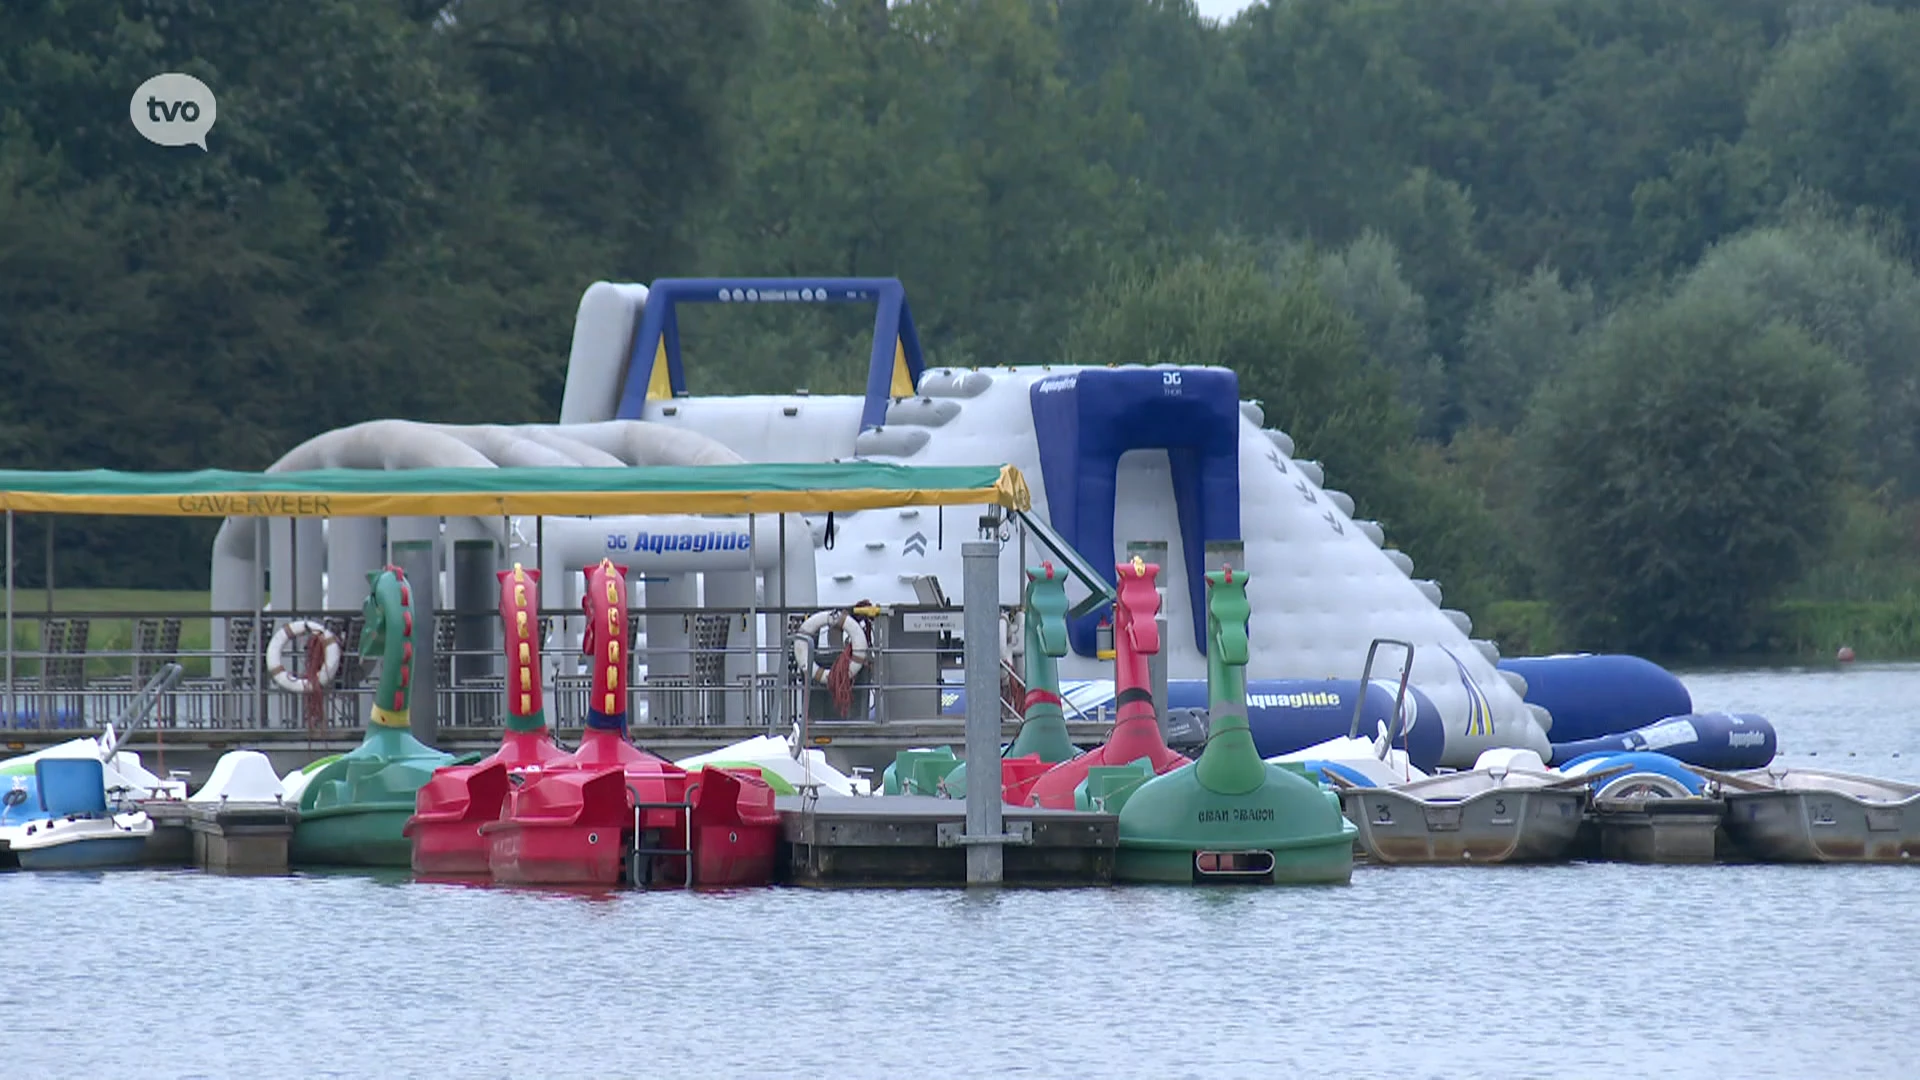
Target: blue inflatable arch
point(655, 371)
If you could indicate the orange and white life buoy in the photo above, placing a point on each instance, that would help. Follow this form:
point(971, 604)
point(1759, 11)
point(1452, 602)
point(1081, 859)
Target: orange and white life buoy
point(277, 655)
point(821, 620)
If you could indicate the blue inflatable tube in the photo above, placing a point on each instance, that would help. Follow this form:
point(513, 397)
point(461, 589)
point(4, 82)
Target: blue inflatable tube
point(1285, 715)
point(1319, 770)
point(1714, 740)
point(1292, 714)
point(1596, 694)
point(1641, 761)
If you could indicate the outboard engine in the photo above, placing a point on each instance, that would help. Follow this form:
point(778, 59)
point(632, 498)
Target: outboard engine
point(1186, 731)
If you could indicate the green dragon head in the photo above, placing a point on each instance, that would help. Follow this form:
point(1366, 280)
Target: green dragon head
point(1047, 608)
point(1227, 615)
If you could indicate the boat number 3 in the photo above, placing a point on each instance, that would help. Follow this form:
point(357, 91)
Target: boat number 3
point(1499, 808)
point(1823, 813)
point(1381, 814)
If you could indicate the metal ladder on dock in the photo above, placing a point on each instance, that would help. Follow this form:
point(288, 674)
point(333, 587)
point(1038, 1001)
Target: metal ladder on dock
point(1396, 727)
point(640, 857)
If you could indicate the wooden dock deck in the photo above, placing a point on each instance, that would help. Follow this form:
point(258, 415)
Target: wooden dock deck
point(909, 840)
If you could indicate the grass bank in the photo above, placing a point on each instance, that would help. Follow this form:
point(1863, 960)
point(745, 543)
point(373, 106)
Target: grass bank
point(1793, 630)
point(112, 614)
point(1874, 629)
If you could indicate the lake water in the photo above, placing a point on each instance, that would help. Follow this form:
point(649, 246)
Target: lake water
point(1584, 970)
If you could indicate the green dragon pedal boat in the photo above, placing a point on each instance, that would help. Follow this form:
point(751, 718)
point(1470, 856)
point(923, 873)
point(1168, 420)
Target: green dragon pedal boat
point(354, 808)
point(1230, 816)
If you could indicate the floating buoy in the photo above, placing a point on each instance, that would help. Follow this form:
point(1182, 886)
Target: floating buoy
point(1845, 655)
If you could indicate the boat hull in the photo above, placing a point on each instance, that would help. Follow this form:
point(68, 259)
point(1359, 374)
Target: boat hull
point(357, 834)
point(88, 853)
point(449, 810)
point(1822, 826)
point(448, 848)
point(574, 827)
point(1495, 826)
point(736, 856)
point(83, 844)
point(540, 854)
point(1321, 861)
point(736, 829)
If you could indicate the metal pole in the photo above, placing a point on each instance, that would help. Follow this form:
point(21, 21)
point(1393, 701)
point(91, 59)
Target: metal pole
point(293, 566)
point(981, 622)
point(49, 583)
point(753, 622)
point(548, 661)
point(13, 705)
point(1021, 569)
point(256, 646)
point(784, 623)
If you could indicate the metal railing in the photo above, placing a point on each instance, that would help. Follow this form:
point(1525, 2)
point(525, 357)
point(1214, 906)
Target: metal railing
point(75, 671)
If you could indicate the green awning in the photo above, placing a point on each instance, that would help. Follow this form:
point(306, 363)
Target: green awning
point(469, 492)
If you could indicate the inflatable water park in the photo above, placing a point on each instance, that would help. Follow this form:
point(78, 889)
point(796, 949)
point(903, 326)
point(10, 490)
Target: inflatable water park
point(1191, 661)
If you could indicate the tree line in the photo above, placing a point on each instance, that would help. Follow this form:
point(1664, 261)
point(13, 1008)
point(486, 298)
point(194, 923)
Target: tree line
point(1606, 305)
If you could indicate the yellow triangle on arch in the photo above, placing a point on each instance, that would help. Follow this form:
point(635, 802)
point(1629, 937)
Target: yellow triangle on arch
point(659, 387)
point(902, 378)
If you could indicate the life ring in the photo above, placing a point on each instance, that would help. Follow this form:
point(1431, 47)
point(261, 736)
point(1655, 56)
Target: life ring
point(848, 625)
point(277, 651)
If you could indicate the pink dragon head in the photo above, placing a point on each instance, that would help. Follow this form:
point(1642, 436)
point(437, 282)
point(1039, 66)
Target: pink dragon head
point(1138, 602)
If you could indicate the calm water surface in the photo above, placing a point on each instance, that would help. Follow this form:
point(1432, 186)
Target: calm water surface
point(1569, 971)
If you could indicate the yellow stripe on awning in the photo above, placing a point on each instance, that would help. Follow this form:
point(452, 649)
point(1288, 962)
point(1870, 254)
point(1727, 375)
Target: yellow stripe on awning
point(304, 500)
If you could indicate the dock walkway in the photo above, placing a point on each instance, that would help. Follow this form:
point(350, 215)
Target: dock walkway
point(914, 840)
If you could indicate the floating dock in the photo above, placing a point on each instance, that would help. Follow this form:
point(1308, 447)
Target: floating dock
point(906, 840)
point(234, 838)
point(896, 841)
point(1657, 830)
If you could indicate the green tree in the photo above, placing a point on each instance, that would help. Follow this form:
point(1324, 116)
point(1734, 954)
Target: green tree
point(1685, 472)
point(608, 115)
point(1839, 111)
point(1516, 340)
point(1364, 279)
point(1841, 285)
point(1188, 88)
point(1294, 350)
point(1431, 222)
point(1707, 192)
point(1337, 108)
point(939, 145)
point(1301, 357)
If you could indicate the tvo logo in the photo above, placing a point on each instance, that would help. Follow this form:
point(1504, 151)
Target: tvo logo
point(173, 110)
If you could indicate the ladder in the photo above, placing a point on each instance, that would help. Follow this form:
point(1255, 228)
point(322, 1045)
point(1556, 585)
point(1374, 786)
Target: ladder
point(1394, 727)
point(640, 856)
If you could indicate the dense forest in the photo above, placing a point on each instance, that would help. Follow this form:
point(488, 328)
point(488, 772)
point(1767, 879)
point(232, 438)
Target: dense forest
point(1606, 309)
